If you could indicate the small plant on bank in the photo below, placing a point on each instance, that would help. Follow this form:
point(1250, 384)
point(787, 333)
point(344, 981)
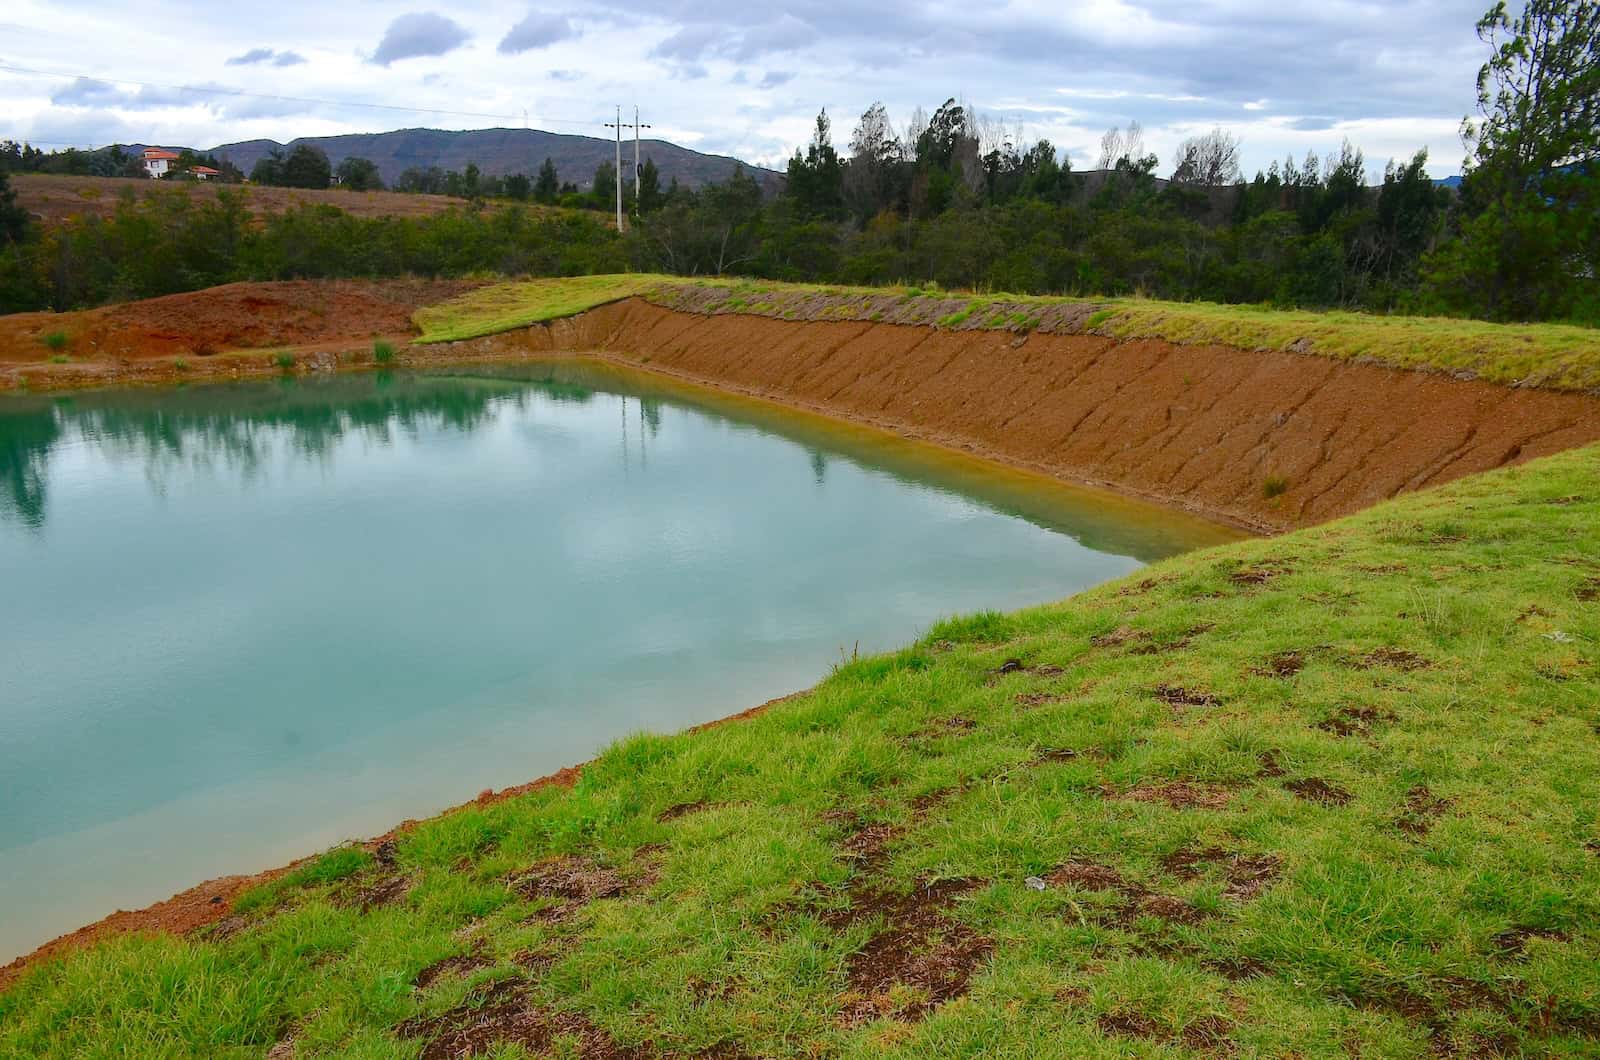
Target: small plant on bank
point(55, 340)
point(180, 363)
point(1274, 486)
point(285, 361)
point(60, 358)
point(383, 352)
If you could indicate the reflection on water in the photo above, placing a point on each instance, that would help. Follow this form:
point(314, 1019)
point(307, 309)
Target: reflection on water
point(242, 622)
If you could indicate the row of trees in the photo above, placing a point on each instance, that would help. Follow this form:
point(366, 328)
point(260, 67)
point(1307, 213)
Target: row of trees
point(168, 242)
point(962, 201)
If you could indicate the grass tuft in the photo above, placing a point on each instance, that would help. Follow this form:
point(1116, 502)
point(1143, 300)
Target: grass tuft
point(383, 352)
point(55, 340)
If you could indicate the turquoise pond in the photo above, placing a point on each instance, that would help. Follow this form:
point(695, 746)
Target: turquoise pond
point(241, 623)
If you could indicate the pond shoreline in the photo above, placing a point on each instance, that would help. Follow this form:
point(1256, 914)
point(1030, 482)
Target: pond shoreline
point(210, 902)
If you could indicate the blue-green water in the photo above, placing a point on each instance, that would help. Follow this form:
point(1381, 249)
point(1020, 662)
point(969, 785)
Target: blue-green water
point(240, 623)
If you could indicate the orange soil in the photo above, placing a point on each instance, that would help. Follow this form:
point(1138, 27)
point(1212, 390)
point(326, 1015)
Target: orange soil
point(51, 199)
point(208, 334)
point(1203, 427)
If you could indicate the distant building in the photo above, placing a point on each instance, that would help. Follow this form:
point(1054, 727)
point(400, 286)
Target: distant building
point(205, 172)
point(157, 163)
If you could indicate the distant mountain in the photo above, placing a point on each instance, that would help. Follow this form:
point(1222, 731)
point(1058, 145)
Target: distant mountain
point(501, 151)
point(1449, 182)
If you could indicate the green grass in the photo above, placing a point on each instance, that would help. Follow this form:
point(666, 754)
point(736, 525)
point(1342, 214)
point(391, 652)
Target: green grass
point(55, 340)
point(1559, 356)
point(61, 358)
point(502, 307)
point(1386, 726)
point(383, 352)
point(284, 361)
point(1556, 356)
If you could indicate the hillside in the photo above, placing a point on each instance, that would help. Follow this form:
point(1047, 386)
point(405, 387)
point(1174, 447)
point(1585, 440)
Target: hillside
point(501, 151)
point(51, 199)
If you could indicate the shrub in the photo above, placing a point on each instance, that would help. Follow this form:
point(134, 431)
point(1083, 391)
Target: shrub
point(382, 352)
point(284, 360)
point(55, 340)
point(1274, 486)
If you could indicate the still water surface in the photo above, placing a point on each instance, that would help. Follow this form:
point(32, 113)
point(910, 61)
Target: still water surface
point(240, 623)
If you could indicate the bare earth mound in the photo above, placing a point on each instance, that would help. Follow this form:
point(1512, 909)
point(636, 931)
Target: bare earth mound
point(234, 316)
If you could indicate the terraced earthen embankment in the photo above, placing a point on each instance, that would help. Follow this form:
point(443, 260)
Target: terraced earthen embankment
point(1272, 440)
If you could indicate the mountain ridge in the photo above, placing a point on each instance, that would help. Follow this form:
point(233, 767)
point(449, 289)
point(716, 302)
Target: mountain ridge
point(501, 151)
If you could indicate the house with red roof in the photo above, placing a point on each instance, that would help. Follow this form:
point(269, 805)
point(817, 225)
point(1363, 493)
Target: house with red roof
point(157, 162)
point(204, 172)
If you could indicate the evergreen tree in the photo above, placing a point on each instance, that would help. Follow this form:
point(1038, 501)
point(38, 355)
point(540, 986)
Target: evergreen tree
point(1530, 236)
point(13, 218)
point(649, 197)
point(547, 185)
point(306, 167)
point(816, 179)
point(603, 192)
point(359, 174)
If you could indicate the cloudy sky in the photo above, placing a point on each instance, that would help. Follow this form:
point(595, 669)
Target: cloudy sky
point(745, 79)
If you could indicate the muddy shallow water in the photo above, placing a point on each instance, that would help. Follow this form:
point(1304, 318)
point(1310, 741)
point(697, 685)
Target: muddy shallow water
point(244, 622)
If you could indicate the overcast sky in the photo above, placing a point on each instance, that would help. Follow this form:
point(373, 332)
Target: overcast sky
point(747, 80)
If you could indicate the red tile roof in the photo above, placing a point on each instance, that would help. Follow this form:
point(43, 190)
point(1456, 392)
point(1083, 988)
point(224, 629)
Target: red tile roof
point(151, 154)
point(206, 169)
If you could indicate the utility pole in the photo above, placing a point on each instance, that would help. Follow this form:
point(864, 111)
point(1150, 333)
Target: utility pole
point(617, 125)
point(636, 170)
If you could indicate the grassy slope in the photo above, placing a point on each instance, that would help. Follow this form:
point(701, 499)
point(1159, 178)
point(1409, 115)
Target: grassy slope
point(1437, 659)
point(518, 304)
point(1551, 355)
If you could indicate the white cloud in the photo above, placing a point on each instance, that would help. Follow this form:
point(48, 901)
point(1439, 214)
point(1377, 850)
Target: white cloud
point(537, 30)
point(419, 35)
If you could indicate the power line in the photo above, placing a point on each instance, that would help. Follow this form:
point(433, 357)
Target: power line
point(281, 99)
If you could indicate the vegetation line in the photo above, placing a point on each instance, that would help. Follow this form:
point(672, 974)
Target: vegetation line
point(1554, 356)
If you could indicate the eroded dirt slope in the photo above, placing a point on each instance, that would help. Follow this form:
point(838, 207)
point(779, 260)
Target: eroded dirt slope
point(1272, 440)
point(230, 317)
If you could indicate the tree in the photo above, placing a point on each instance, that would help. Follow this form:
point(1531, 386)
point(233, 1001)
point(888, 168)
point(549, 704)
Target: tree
point(816, 180)
point(1116, 145)
point(472, 181)
point(871, 175)
point(1209, 161)
point(13, 218)
point(649, 197)
point(603, 192)
point(268, 170)
point(359, 174)
point(306, 167)
point(1530, 231)
point(518, 186)
point(1410, 208)
point(547, 185)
